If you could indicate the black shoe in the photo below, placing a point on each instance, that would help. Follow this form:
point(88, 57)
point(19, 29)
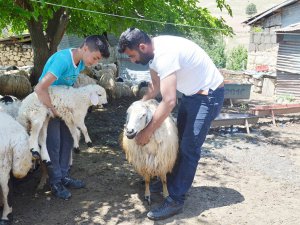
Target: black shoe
point(5, 222)
point(60, 191)
point(156, 187)
point(72, 183)
point(167, 209)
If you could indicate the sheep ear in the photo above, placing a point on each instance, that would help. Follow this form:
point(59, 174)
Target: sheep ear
point(94, 99)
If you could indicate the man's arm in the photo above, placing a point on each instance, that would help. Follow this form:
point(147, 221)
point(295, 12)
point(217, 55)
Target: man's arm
point(41, 89)
point(153, 88)
point(168, 92)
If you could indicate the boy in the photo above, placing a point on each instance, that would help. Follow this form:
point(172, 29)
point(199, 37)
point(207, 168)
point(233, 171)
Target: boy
point(63, 68)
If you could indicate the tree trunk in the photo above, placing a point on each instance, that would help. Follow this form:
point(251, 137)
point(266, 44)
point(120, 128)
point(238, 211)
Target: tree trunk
point(45, 45)
point(40, 48)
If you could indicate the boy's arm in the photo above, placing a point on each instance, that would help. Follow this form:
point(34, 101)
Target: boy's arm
point(41, 89)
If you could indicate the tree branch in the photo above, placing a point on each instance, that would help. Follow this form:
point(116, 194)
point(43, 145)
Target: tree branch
point(56, 28)
point(24, 4)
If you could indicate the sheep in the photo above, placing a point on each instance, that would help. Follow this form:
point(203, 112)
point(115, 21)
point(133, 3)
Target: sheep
point(140, 89)
point(71, 105)
point(10, 105)
point(84, 80)
point(156, 158)
point(107, 81)
point(15, 156)
point(122, 90)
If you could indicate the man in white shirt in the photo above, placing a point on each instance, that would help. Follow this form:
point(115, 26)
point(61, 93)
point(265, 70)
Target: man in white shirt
point(177, 64)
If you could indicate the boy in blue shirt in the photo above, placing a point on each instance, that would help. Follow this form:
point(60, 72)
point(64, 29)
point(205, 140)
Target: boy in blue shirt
point(63, 68)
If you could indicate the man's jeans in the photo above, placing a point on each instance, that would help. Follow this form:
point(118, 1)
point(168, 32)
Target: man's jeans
point(59, 145)
point(194, 118)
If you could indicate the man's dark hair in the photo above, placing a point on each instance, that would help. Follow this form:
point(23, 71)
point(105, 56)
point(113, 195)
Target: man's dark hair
point(132, 38)
point(97, 43)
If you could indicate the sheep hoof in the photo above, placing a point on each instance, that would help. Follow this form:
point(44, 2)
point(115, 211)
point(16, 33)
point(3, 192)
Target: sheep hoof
point(148, 199)
point(90, 109)
point(35, 155)
point(89, 144)
point(77, 150)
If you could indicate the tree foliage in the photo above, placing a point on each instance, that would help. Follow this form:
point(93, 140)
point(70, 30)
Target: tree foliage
point(237, 58)
point(251, 9)
point(48, 20)
point(214, 47)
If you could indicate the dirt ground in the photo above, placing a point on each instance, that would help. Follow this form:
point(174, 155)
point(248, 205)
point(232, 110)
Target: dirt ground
point(241, 179)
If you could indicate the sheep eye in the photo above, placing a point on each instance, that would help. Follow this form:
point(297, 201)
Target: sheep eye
point(143, 116)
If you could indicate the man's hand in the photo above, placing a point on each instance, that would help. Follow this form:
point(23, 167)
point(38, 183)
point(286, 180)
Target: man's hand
point(143, 137)
point(53, 112)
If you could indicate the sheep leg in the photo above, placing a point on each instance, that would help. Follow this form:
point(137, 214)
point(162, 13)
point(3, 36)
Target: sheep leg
point(74, 134)
point(36, 127)
point(147, 189)
point(163, 179)
point(84, 131)
point(5, 184)
point(43, 141)
point(44, 176)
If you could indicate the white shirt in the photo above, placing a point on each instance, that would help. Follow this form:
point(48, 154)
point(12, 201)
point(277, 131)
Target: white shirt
point(193, 68)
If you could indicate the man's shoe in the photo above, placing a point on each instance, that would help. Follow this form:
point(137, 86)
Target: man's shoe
point(60, 191)
point(72, 183)
point(156, 187)
point(167, 209)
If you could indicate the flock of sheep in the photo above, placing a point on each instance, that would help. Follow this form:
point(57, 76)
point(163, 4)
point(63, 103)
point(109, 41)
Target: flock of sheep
point(23, 126)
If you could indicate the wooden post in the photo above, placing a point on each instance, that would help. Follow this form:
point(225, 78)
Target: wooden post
point(231, 104)
point(273, 117)
point(247, 126)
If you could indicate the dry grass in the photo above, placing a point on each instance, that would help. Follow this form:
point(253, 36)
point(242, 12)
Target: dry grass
point(239, 15)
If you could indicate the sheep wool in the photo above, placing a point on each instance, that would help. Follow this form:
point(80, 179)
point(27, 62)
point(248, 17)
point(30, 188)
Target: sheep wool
point(71, 104)
point(15, 156)
point(15, 84)
point(156, 158)
point(10, 108)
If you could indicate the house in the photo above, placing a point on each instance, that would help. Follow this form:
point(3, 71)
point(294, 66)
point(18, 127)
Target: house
point(275, 45)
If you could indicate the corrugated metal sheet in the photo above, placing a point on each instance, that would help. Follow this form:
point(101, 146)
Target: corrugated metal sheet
point(288, 68)
point(288, 59)
point(293, 27)
point(70, 41)
point(290, 14)
point(269, 12)
point(288, 84)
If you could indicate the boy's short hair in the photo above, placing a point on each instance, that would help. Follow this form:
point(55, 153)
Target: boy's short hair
point(97, 43)
point(132, 38)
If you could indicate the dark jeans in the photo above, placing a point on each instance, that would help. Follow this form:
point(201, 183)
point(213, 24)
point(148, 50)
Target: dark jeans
point(194, 118)
point(59, 145)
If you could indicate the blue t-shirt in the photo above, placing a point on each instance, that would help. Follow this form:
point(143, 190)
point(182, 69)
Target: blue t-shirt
point(62, 66)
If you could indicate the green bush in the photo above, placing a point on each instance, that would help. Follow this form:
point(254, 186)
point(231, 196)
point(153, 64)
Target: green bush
point(237, 58)
point(251, 9)
point(257, 29)
point(215, 48)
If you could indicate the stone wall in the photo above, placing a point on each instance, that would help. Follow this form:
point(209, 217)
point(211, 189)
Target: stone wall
point(263, 46)
point(16, 55)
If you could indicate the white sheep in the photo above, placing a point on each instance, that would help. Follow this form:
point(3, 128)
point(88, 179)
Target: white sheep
point(10, 105)
point(15, 156)
point(71, 104)
point(156, 158)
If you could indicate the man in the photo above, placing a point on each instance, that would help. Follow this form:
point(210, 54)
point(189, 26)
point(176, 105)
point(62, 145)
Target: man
point(63, 68)
point(177, 63)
